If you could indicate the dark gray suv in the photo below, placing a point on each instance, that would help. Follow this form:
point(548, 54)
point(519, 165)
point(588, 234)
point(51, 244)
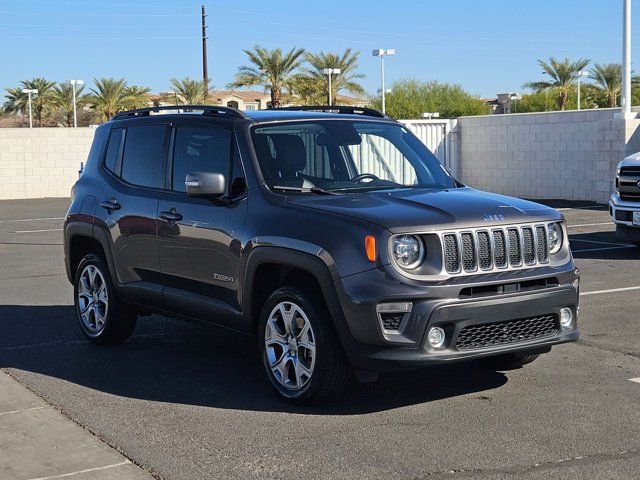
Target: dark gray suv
point(332, 234)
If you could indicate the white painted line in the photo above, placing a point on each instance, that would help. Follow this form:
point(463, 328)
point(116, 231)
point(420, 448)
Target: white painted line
point(590, 224)
point(603, 248)
point(611, 290)
point(588, 207)
point(637, 380)
point(599, 243)
point(88, 470)
point(20, 411)
point(32, 219)
point(39, 231)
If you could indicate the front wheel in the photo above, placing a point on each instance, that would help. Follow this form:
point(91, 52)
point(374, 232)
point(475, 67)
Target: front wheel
point(508, 361)
point(300, 351)
point(103, 318)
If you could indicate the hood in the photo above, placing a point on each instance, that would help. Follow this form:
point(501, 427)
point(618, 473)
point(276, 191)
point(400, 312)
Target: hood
point(424, 209)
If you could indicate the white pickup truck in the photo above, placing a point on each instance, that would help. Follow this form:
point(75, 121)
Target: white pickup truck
point(624, 205)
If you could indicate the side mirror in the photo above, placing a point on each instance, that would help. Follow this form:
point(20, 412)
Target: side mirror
point(205, 184)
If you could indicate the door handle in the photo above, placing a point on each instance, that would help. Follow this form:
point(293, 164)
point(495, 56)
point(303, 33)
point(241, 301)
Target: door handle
point(172, 216)
point(110, 205)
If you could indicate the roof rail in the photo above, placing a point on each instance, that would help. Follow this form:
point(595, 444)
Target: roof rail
point(206, 110)
point(346, 109)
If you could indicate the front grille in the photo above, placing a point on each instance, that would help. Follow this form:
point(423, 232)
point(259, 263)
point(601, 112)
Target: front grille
point(624, 215)
point(631, 171)
point(631, 197)
point(507, 332)
point(497, 248)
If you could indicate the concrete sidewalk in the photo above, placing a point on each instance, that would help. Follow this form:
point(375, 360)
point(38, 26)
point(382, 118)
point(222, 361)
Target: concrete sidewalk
point(37, 442)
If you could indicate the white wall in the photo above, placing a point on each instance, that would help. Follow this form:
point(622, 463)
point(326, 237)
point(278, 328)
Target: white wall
point(563, 155)
point(41, 162)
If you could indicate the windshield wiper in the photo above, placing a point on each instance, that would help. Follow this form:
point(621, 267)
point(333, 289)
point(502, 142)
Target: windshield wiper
point(316, 190)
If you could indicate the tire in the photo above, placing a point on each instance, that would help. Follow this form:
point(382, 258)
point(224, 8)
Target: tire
point(103, 318)
point(509, 361)
point(311, 368)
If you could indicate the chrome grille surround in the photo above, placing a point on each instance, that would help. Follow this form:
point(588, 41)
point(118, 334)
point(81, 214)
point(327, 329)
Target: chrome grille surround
point(486, 249)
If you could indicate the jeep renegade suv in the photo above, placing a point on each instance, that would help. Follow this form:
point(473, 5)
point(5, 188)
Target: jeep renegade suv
point(624, 205)
point(332, 234)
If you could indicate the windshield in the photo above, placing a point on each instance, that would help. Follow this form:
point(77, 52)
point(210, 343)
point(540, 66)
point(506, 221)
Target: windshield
point(346, 156)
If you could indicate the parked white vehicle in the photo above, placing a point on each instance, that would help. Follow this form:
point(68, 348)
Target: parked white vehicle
point(624, 205)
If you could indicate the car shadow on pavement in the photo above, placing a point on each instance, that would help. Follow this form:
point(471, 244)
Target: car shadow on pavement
point(172, 361)
point(602, 245)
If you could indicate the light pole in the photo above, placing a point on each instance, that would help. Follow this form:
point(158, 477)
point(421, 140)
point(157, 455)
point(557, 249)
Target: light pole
point(29, 91)
point(329, 72)
point(381, 52)
point(73, 87)
point(626, 60)
point(579, 74)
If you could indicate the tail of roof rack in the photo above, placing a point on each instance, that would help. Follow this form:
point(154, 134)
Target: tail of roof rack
point(369, 112)
point(213, 110)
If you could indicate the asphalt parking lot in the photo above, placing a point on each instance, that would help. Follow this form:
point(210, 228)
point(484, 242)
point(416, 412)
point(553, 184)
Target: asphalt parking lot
point(189, 402)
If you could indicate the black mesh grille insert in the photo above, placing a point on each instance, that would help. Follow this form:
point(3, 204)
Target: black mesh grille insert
point(468, 252)
point(500, 249)
point(515, 258)
point(391, 321)
point(507, 332)
point(451, 254)
point(484, 250)
point(528, 247)
point(543, 251)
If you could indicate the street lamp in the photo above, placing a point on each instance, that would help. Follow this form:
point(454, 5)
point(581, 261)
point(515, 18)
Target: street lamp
point(329, 72)
point(626, 59)
point(73, 86)
point(29, 91)
point(579, 74)
point(381, 52)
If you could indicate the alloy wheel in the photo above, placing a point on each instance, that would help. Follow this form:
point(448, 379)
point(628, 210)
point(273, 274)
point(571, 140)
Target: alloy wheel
point(93, 299)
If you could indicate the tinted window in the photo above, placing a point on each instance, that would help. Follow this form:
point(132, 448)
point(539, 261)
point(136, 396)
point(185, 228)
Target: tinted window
point(142, 159)
point(112, 149)
point(200, 150)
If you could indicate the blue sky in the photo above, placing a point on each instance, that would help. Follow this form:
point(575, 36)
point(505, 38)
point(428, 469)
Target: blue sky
point(487, 46)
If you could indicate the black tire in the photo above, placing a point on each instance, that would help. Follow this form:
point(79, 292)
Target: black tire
point(331, 371)
point(119, 319)
point(509, 361)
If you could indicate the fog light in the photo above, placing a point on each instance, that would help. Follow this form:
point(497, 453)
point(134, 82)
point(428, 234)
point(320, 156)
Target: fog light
point(566, 317)
point(436, 337)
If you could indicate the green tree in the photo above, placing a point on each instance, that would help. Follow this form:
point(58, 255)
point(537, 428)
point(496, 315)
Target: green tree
point(270, 69)
point(561, 74)
point(312, 85)
point(111, 96)
point(189, 91)
point(41, 102)
point(17, 102)
point(410, 98)
point(63, 100)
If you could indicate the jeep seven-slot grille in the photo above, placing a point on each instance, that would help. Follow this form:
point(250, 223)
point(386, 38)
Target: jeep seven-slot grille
point(507, 332)
point(497, 248)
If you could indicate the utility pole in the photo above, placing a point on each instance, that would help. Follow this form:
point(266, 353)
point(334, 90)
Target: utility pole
point(205, 75)
point(626, 59)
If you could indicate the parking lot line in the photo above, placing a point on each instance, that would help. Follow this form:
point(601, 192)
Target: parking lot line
point(20, 411)
point(599, 243)
point(603, 248)
point(88, 470)
point(32, 219)
point(636, 380)
point(589, 224)
point(588, 207)
point(611, 290)
point(39, 231)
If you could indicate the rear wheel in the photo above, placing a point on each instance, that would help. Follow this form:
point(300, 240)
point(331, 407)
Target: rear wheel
point(509, 361)
point(300, 351)
point(103, 318)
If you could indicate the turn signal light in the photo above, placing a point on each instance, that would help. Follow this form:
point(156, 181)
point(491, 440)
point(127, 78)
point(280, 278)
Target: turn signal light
point(370, 247)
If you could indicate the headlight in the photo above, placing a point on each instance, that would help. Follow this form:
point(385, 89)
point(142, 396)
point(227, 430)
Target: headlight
point(555, 237)
point(408, 251)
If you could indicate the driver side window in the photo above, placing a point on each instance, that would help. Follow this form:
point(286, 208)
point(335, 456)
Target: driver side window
point(198, 149)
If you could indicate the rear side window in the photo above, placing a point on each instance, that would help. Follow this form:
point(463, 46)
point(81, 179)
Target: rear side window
point(113, 148)
point(200, 149)
point(142, 158)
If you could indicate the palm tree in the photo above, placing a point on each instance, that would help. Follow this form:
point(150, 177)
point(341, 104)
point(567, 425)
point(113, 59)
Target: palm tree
point(561, 77)
point(63, 99)
point(17, 102)
point(111, 96)
point(314, 82)
point(270, 69)
point(190, 92)
point(41, 102)
point(608, 78)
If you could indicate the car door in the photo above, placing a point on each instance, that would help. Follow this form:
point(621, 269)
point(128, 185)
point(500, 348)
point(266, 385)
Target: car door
point(199, 239)
point(128, 204)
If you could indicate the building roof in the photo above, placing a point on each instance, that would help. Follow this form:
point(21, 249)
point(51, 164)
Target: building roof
point(245, 95)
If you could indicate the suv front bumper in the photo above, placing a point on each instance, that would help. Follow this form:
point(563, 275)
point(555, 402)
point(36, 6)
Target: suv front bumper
point(374, 348)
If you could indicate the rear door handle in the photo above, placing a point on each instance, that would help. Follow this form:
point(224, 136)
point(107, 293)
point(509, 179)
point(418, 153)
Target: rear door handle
point(110, 205)
point(171, 216)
